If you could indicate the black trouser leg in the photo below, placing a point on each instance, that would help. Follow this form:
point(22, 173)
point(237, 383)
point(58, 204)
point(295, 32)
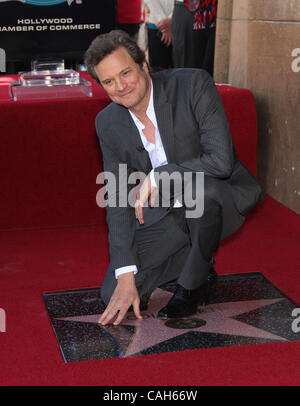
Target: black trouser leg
point(205, 234)
point(162, 251)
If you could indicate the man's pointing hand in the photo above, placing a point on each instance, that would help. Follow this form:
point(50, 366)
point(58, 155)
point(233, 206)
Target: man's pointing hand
point(147, 192)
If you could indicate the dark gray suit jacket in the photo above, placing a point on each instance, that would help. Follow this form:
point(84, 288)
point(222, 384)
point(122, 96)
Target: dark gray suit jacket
point(196, 137)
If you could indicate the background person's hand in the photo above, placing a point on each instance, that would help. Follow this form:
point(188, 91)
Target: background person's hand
point(164, 27)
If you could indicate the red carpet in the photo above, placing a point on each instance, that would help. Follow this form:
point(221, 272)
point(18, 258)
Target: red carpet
point(36, 261)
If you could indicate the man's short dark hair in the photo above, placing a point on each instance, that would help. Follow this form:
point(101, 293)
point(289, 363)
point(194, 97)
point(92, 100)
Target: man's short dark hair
point(105, 44)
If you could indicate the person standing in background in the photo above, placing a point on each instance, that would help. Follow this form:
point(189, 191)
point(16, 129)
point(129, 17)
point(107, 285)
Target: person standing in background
point(193, 34)
point(159, 33)
point(205, 26)
point(129, 14)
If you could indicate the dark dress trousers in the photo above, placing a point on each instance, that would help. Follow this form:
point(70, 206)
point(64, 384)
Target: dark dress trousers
point(195, 134)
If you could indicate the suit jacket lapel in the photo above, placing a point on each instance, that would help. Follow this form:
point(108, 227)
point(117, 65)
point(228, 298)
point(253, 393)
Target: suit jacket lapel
point(132, 136)
point(164, 117)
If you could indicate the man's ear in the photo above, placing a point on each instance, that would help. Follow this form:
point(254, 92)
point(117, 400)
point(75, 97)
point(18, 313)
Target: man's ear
point(145, 67)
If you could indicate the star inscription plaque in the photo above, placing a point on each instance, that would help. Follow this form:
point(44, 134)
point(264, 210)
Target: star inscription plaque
point(242, 310)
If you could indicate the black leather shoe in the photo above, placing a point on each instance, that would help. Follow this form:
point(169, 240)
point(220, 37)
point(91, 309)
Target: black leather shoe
point(185, 302)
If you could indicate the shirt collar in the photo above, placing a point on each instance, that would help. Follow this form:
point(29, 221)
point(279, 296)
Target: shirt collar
point(150, 111)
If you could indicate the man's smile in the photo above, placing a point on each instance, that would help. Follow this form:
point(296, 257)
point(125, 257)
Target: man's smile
point(126, 94)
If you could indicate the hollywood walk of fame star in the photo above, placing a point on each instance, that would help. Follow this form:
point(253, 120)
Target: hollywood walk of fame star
point(215, 318)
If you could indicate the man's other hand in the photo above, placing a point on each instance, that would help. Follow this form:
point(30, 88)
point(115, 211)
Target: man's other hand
point(146, 192)
point(123, 297)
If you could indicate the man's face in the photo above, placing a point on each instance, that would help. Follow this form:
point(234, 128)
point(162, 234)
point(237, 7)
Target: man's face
point(124, 80)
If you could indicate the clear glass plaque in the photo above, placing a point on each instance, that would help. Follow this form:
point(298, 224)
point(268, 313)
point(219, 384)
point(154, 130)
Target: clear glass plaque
point(41, 92)
point(57, 65)
point(49, 78)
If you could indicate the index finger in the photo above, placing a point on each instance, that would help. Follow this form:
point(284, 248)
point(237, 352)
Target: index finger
point(139, 213)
